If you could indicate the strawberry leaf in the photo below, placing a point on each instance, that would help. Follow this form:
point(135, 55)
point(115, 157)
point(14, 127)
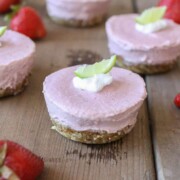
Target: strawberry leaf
point(8, 17)
point(15, 9)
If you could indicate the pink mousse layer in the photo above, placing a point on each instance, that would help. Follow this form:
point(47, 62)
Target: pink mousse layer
point(111, 109)
point(16, 59)
point(139, 48)
point(77, 9)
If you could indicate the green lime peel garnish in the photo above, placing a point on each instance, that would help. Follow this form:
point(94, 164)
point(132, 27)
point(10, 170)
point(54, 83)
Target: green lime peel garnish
point(102, 67)
point(151, 15)
point(2, 30)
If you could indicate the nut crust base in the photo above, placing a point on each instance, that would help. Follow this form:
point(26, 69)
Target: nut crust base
point(14, 91)
point(146, 69)
point(80, 23)
point(89, 137)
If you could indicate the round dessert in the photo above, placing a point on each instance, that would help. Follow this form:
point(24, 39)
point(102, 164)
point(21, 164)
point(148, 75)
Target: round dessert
point(90, 116)
point(78, 13)
point(16, 62)
point(146, 49)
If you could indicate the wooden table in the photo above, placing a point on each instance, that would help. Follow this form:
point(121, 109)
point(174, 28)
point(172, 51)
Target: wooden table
point(150, 151)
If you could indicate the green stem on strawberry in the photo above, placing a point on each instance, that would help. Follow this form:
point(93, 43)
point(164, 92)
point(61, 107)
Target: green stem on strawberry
point(14, 11)
point(27, 21)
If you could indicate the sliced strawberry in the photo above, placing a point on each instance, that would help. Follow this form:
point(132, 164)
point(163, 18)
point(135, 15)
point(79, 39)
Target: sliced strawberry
point(28, 22)
point(173, 9)
point(25, 164)
point(5, 5)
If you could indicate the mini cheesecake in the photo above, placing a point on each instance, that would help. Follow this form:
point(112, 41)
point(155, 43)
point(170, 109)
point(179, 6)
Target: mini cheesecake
point(141, 52)
point(79, 13)
point(16, 62)
point(94, 117)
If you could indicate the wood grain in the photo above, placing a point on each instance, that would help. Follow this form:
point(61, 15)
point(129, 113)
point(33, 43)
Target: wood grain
point(144, 4)
point(165, 117)
point(24, 118)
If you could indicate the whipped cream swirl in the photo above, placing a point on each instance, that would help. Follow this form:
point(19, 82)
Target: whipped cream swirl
point(152, 27)
point(93, 84)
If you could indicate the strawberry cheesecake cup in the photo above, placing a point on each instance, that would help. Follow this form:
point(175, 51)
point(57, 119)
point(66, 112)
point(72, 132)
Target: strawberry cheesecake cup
point(16, 62)
point(143, 48)
point(95, 110)
point(78, 13)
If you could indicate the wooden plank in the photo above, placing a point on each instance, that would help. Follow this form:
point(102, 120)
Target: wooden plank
point(24, 118)
point(144, 4)
point(164, 117)
point(165, 122)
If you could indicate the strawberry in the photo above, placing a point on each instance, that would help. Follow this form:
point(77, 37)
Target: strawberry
point(173, 9)
point(5, 5)
point(177, 100)
point(28, 22)
point(23, 164)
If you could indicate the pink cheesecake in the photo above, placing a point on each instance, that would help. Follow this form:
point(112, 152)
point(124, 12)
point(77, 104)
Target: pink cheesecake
point(89, 117)
point(141, 52)
point(80, 13)
point(16, 62)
